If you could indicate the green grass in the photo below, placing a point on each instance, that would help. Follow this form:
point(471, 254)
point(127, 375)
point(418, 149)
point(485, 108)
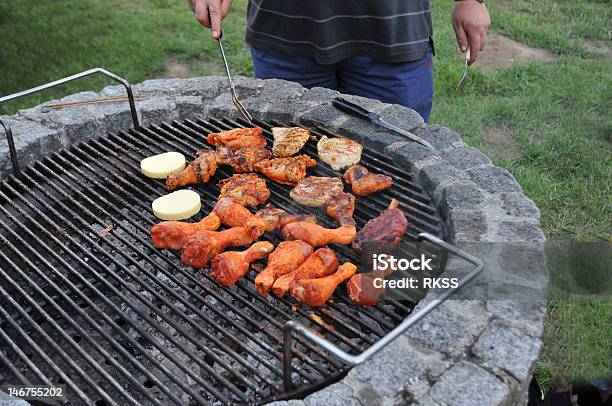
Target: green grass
point(557, 114)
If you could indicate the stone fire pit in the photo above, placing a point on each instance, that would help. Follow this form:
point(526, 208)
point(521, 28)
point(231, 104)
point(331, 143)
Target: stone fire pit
point(466, 352)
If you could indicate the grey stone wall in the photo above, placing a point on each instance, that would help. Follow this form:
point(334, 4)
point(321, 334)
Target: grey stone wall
point(466, 352)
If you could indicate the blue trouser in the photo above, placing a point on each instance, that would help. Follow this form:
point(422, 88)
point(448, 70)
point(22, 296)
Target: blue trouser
point(409, 84)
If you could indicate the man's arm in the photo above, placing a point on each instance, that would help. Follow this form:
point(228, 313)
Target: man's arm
point(210, 13)
point(471, 21)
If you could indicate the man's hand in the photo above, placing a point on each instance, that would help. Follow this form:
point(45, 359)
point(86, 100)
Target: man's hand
point(471, 21)
point(210, 13)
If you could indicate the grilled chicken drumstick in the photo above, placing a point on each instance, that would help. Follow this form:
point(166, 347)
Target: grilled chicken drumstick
point(382, 234)
point(243, 159)
point(288, 171)
point(317, 236)
point(276, 219)
point(322, 262)
point(285, 258)
point(341, 207)
point(364, 183)
point(203, 246)
point(228, 267)
point(248, 189)
point(200, 170)
point(172, 234)
point(315, 292)
point(238, 138)
point(233, 214)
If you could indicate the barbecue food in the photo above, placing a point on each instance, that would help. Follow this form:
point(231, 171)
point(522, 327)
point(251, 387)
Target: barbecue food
point(243, 159)
point(317, 236)
point(364, 183)
point(172, 234)
point(233, 214)
point(161, 165)
point(285, 258)
point(177, 205)
point(361, 289)
point(248, 189)
point(382, 234)
point(288, 141)
point(203, 246)
point(200, 170)
point(238, 138)
point(288, 171)
point(316, 190)
point(228, 267)
point(341, 207)
point(339, 152)
point(315, 292)
point(276, 219)
point(322, 262)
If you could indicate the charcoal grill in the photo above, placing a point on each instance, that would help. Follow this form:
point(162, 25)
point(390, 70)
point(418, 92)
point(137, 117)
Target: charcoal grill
point(87, 302)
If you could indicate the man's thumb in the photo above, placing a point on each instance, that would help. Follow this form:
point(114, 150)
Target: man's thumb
point(461, 38)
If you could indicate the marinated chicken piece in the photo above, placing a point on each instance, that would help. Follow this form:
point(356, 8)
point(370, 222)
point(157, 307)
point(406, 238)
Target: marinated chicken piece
point(288, 141)
point(200, 170)
point(317, 236)
point(339, 152)
point(315, 292)
point(276, 219)
point(285, 258)
point(228, 267)
point(314, 191)
point(203, 246)
point(248, 189)
point(238, 138)
point(243, 159)
point(363, 291)
point(288, 171)
point(364, 183)
point(233, 214)
point(341, 207)
point(172, 234)
point(382, 234)
point(321, 263)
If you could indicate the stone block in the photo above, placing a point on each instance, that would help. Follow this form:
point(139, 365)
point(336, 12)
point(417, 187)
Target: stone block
point(286, 112)
point(320, 95)
point(438, 136)
point(337, 394)
point(461, 195)
point(190, 107)
point(206, 87)
point(402, 116)
point(466, 225)
point(277, 90)
point(409, 154)
point(381, 139)
point(324, 116)
point(158, 87)
point(519, 231)
point(466, 384)
point(433, 176)
point(501, 346)
point(157, 110)
point(494, 179)
point(529, 316)
point(519, 205)
point(465, 157)
point(223, 107)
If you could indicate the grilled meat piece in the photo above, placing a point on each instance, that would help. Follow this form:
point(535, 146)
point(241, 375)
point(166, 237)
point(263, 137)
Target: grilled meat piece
point(200, 170)
point(316, 190)
point(228, 267)
point(288, 141)
point(288, 171)
point(276, 219)
point(362, 290)
point(172, 234)
point(339, 152)
point(317, 236)
point(233, 214)
point(322, 262)
point(203, 246)
point(243, 159)
point(315, 292)
point(238, 138)
point(382, 234)
point(364, 183)
point(248, 189)
point(285, 258)
point(341, 207)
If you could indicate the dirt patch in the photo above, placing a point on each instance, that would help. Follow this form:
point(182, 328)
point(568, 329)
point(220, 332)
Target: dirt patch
point(500, 142)
point(502, 52)
point(599, 48)
point(175, 69)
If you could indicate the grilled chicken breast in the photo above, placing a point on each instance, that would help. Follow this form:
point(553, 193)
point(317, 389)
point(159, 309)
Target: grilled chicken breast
point(339, 152)
point(243, 159)
point(364, 183)
point(288, 171)
point(288, 141)
point(238, 138)
point(248, 189)
point(315, 191)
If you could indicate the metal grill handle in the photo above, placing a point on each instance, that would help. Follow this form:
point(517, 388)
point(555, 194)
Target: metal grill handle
point(7, 128)
point(292, 327)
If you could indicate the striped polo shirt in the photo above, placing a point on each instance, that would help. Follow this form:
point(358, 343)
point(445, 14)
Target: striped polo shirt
point(333, 30)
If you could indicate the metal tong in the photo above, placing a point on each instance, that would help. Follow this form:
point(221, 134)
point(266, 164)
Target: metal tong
point(465, 70)
point(235, 98)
